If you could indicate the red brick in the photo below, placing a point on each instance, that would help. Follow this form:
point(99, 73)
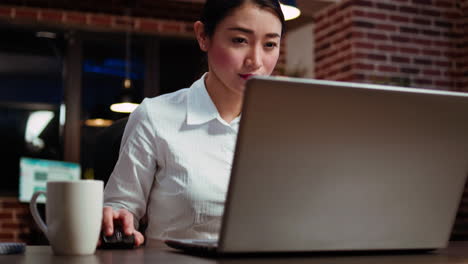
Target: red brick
point(453, 74)
point(320, 39)
point(444, 83)
point(357, 34)
point(432, 72)
point(410, 70)
point(75, 17)
point(5, 11)
point(100, 20)
point(346, 68)
point(387, 48)
point(359, 76)
point(429, 12)
point(189, 28)
point(320, 76)
point(422, 2)
point(399, 18)
point(420, 21)
point(363, 3)
point(338, 20)
point(398, 38)
point(344, 5)
point(363, 24)
point(318, 18)
point(409, 50)
point(423, 82)
point(359, 13)
point(6, 215)
point(359, 55)
point(345, 79)
point(376, 36)
point(319, 28)
point(123, 22)
point(363, 66)
point(425, 62)
point(378, 79)
point(452, 54)
point(451, 14)
point(12, 205)
point(462, 87)
point(377, 57)
point(30, 14)
point(431, 52)
point(149, 25)
point(386, 6)
point(409, 9)
point(7, 235)
point(332, 12)
point(431, 33)
point(171, 27)
point(380, 16)
point(51, 15)
point(364, 45)
point(424, 42)
point(444, 3)
point(385, 68)
point(443, 63)
point(410, 30)
point(14, 226)
point(442, 43)
point(400, 59)
point(332, 73)
point(386, 27)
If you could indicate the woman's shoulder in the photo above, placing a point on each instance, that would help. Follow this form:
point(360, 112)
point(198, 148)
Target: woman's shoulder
point(176, 97)
point(166, 106)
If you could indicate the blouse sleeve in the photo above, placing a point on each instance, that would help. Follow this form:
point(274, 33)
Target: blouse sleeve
point(132, 178)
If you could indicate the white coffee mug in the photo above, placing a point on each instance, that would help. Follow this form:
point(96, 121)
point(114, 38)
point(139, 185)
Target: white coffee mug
point(73, 215)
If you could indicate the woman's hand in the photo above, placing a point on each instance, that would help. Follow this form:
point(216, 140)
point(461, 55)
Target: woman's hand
point(110, 216)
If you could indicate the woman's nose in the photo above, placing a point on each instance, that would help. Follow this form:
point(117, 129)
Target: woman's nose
point(253, 60)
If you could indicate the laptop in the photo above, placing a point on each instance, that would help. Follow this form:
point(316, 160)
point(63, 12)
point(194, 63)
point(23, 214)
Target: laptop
point(323, 166)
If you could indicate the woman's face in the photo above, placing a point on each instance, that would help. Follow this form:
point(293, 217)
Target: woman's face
point(245, 43)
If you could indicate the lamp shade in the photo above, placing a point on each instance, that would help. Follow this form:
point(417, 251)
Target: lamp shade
point(290, 9)
point(125, 102)
point(99, 116)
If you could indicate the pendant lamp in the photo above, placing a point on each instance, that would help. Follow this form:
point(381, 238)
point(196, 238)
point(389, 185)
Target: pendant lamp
point(126, 102)
point(290, 9)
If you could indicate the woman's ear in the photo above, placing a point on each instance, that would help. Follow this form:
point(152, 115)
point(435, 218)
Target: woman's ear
point(202, 38)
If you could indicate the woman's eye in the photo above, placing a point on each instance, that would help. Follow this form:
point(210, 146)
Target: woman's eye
point(239, 40)
point(271, 45)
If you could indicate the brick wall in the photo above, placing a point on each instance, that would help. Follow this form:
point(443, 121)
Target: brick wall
point(94, 21)
point(404, 42)
point(462, 26)
point(412, 43)
point(460, 231)
point(16, 223)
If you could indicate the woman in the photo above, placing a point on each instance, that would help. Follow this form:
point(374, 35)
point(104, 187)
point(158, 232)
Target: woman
point(177, 149)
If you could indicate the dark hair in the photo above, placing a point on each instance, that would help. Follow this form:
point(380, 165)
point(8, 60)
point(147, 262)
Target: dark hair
point(215, 11)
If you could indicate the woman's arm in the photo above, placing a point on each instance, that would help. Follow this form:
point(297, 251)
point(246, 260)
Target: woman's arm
point(129, 185)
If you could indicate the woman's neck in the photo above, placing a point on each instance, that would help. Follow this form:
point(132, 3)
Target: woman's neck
point(228, 103)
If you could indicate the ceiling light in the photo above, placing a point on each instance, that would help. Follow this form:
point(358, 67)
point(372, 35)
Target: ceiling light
point(290, 9)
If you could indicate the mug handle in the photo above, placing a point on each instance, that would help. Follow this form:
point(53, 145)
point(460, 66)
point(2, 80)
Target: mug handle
point(35, 213)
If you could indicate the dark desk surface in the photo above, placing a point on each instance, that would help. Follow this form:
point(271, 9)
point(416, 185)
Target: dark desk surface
point(457, 252)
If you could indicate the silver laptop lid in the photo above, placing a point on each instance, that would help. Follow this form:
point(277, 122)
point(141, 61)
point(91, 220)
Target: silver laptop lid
point(323, 165)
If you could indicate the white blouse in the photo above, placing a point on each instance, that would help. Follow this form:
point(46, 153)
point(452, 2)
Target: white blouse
point(174, 163)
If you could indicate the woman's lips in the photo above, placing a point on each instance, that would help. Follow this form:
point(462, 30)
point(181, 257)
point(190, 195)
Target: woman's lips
point(245, 76)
